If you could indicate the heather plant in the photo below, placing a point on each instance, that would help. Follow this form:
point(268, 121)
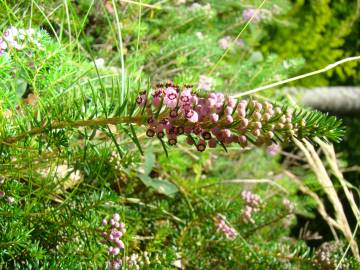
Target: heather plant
point(123, 144)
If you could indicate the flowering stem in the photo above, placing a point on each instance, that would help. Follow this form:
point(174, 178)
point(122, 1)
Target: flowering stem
point(74, 124)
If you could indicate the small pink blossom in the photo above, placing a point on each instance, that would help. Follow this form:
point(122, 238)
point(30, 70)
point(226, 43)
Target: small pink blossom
point(249, 13)
point(288, 205)
point(170, 98)
point(192, 116)
point(273, 149)
point(225, 42)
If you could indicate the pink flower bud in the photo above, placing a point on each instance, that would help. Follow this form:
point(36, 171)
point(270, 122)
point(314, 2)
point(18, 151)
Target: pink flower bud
point(213, 96)
point(229, 119)
point(257, 116)
point(244, 122)
point(112, 222)
point(115, 251)
point(111, 237)
point(229, 110)
point(256, 132)
point(266, 117)
point(257, 125)
point(211, 102)
point(212, 143)
point(116, 217)
point(120, 243)
point(280, 126)
point(231, 101)
point(278, 110)
point(242, 139)
point(242, 104)
point(258, 106)
point(226, 133)
point(271, 112)
point(241, 112)
point(157, 101)
point(116, 234)
point(283, 119)
point(214, 117)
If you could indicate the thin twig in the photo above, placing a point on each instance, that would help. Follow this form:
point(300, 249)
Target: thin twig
point(327, 68)
point(348, 247)
point(238, 36)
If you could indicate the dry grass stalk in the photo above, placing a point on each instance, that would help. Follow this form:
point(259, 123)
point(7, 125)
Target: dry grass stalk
point(330, 155)
point(324, 179)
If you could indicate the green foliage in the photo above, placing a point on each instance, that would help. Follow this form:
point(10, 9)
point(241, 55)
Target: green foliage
point(70, 156)
point(320, 32)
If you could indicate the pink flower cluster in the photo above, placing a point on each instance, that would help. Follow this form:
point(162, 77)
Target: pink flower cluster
point(252, 204)
point(210, 120)
point(114, 229)
point(226, 229)
point(17, 39)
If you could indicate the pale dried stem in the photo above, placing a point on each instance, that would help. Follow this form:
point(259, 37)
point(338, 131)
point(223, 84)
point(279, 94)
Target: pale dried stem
point(324, 179)
point(329, 152)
